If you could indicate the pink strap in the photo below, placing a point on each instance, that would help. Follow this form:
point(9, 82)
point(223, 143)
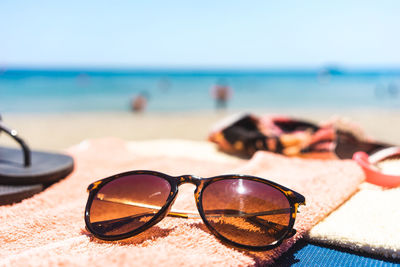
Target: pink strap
point(372, 173)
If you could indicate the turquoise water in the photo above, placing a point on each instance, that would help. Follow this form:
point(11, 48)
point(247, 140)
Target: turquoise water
point(85, 90)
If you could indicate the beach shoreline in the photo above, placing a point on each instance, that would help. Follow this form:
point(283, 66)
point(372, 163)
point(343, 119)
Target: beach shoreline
point(59, 131)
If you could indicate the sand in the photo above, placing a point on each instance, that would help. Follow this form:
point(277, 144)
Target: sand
point(59, 131)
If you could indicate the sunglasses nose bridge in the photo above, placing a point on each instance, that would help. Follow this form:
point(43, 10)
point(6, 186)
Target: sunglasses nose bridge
point(192, 179)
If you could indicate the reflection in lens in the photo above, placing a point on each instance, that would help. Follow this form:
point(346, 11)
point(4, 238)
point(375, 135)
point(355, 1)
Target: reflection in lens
point(127, 203)
point(246, 212)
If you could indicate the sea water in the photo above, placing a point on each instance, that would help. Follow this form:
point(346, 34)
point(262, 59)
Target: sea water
point(190, 90)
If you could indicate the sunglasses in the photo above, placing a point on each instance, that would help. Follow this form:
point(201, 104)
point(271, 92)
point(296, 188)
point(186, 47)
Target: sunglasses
point(243, 211)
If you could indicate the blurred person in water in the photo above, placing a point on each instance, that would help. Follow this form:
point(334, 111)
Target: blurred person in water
point(139, 102)
point(221, 92)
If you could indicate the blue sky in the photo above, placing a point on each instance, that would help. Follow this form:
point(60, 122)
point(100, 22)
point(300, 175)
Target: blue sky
point(216, 34)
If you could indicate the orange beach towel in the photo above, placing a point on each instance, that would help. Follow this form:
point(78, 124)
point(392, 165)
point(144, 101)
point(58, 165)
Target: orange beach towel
point(49, 230)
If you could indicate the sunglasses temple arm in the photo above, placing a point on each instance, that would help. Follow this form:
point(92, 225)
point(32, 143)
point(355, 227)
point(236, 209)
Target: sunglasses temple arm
point(184, 214)
point(236, 213)
point(172, 213)
point(251, 217)
point(125, 220)
point(193, 214)
point(129, 219)
point(231, 213)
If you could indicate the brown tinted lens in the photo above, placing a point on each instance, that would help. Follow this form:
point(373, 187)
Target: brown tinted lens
point(247, 212)
point(127, 203)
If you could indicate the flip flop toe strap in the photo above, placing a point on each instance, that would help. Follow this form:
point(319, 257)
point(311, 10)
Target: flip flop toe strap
point(14, 134)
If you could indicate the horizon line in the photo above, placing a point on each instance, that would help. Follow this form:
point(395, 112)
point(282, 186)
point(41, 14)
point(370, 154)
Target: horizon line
point(332, 69)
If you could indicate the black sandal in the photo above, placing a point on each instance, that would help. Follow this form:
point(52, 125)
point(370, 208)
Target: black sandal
point(24, 172)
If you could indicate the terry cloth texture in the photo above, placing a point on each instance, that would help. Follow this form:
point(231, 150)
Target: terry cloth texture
point(368, 222)
point(49, 229)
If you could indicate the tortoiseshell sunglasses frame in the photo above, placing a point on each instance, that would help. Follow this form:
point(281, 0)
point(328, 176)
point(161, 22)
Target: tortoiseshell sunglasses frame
point(295, 199)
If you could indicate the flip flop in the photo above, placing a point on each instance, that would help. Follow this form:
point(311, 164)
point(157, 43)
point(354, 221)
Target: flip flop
point(10, 194)
point(22, 167)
